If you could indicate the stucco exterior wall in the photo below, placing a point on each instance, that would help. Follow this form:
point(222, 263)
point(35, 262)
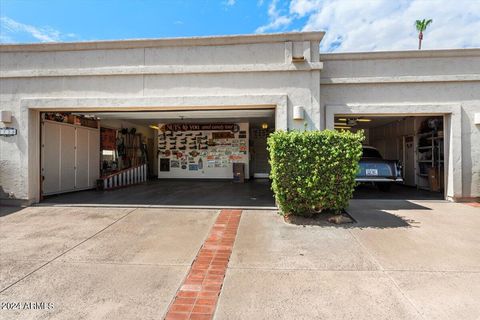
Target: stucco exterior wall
point(228, 71)
point(413, 79)
point(233, 72)
point(406, 63)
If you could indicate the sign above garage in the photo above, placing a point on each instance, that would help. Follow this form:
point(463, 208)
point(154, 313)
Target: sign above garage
point(200, 127)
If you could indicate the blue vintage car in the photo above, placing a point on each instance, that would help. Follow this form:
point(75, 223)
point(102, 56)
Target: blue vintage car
point(374, 169)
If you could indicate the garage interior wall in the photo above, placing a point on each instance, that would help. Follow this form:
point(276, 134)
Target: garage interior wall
point(212, 163)
point(389, 140)
point(146, 131)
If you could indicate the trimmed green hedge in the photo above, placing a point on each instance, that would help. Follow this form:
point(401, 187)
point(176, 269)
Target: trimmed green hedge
point(313, 170)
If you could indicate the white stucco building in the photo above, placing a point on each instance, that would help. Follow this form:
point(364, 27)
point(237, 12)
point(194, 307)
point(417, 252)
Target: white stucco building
point(252, 79)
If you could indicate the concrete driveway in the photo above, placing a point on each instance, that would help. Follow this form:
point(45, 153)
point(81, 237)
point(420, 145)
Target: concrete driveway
point(401, 260)
point(96, 263)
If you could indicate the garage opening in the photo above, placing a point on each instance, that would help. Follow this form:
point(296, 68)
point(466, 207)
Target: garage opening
point(168, 158)
point(403, 158)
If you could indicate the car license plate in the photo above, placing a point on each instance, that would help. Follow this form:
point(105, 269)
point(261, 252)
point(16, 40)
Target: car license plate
point(371, 172)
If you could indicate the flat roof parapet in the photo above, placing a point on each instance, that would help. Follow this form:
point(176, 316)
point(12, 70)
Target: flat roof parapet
point(165, 42)
point(404, 54)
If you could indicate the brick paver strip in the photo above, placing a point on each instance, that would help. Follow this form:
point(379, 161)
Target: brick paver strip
point(473, 204)
point(198, 294)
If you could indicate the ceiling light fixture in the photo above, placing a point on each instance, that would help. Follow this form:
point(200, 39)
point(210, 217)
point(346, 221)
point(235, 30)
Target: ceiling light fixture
point(154, 127)
point(351, 122)
point(264, 126)
point(364, 120)
point(342, 127)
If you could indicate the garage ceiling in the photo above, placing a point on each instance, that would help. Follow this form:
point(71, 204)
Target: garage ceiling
point(253, 116)
point(375, 121)
point(184, 115)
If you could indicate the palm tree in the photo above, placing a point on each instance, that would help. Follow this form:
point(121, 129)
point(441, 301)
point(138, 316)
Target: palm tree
point(421, 26)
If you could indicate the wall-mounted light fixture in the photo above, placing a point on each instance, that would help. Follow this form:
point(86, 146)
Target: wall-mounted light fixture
point(264, 126)
point(298, 113)
point(6, 116)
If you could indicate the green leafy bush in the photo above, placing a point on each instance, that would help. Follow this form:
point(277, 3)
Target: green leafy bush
point(313, 170)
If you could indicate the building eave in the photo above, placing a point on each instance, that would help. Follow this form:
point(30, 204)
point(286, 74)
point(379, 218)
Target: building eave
point(165, 42)
point(407, 54)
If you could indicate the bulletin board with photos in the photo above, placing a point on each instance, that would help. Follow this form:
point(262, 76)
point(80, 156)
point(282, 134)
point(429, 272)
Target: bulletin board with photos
point(201, 150)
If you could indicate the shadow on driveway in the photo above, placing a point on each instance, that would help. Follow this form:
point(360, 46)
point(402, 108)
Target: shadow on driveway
point(396, 192)
point(381, 214)
point(376, 214)
point(5, 211)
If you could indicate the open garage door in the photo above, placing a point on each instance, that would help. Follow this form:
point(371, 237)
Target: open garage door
point(404, 156)
point(188, 158)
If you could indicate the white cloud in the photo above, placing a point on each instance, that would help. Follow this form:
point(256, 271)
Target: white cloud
point(303, 7)
point(277, 21)
point(372, 25)
point(230, 2)
point(10, 28)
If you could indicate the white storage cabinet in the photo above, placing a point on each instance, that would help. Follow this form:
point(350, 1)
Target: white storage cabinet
point(70, 157)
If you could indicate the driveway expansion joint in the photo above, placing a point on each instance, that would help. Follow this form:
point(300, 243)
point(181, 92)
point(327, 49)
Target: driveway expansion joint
point(72, 262)
point(198, 295)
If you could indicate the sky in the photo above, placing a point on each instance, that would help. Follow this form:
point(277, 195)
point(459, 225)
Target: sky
point(350, 25)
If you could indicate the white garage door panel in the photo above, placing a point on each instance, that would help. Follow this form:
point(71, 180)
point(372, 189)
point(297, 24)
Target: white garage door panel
point(67, 156)
point(94, 157)
point(82, 159)
point(51, 158)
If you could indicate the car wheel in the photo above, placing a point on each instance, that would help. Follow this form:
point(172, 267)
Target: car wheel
point(383, 186)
